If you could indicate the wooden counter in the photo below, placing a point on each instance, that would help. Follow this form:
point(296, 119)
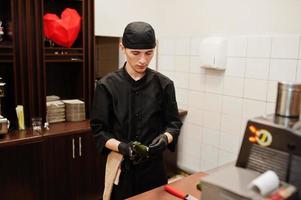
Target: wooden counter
point(65, 128)
point(182, 112)
point(29, 136)
point(186, 185)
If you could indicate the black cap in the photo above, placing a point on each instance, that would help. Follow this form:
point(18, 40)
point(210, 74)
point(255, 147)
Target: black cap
point(139, 35)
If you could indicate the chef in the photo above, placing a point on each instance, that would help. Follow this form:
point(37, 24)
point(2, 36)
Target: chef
point(135, 114)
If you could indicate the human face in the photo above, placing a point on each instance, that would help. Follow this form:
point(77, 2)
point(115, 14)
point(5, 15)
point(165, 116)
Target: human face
point(138, 59)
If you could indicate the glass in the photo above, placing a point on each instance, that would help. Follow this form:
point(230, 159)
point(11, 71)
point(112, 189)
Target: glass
point(37, 124)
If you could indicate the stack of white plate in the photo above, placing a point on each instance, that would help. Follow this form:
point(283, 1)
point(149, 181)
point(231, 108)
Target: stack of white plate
point(55, 111)
point(75, 110)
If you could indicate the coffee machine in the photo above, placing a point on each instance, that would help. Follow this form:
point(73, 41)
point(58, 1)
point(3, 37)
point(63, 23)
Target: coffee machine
point(4, 122)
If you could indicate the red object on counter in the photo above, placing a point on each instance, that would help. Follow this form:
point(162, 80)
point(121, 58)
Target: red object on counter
point(178, 193)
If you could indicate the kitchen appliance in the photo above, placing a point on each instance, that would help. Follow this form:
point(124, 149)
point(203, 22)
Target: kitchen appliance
point(4, 122)
point(273, 143)
point(233, 183)
point(288, 99)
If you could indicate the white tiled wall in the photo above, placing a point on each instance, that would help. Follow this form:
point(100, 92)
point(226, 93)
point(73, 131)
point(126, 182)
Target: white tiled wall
point(220, 103)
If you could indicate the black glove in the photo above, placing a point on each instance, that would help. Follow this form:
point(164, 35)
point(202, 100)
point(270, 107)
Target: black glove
point(158, 145)
point(125, 149)
point(134, 150)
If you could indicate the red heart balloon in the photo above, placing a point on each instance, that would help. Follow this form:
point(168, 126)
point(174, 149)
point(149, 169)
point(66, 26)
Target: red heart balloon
point(62, 31)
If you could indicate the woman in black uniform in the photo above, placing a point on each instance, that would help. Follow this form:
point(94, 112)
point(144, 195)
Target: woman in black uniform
point(136, 103)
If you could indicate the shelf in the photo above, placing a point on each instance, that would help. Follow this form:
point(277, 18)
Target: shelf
point(62, 48)
point(62, 60)
point(60, 54)
point(6, 57)
point(6, 46)
point(64, 55)
point(6, 61)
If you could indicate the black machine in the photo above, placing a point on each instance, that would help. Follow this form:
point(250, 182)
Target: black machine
point(273, 143)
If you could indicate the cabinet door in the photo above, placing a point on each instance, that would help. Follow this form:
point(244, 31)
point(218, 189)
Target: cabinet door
point(60, 167)
point(21, 172)
point(91, 169)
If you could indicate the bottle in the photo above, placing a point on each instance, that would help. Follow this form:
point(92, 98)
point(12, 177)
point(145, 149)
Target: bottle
point(1, 31)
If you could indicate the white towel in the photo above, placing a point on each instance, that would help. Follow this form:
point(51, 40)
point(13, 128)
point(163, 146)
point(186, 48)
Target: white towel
point(112, 173)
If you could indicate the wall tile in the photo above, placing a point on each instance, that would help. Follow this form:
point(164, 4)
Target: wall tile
point(209, 153)
point(252, 108)
point(189, 150)
point(229, 142)
point(166, 63)
point(257, 68)
point(181, 80)
point(182, 96)
point(197, 82)
point(283, 70)
point(196, 99)
point(232, 106)
point(285, 46)
point(189, 162)
point(214, 83)
point(211, 137)
point(208, 165)
point(166, 46)
point(213, 102)
point(183, 106)
point(195, 46)
point(270, 108)
point(230, 124)
point(225, 157)
point(182, 46)
point(235, 67)
point(298, 75)
point(195, 65)
point(220, 103)
point(255, 89)
point(272, 91)
point(195, 116)
point(244, 125)
point(299, 57)
point(182, 63)
point(184, 131)
point(237, 46)
point(259, 46)
point(233, 86)
point(212, 120)
point(192, 136)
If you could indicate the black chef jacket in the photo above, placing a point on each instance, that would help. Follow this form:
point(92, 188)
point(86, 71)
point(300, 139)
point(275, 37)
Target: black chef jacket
point(130, 110)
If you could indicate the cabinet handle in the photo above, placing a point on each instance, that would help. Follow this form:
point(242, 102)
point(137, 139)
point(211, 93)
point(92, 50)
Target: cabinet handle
point(73, 148)
point(80, 146)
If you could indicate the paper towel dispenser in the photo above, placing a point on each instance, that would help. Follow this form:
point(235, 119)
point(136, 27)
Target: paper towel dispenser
point(213, 53)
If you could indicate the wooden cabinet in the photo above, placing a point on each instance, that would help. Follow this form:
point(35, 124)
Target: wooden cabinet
point(21, 172)
point(72, 168)
point(63, 163)
point(32, 68)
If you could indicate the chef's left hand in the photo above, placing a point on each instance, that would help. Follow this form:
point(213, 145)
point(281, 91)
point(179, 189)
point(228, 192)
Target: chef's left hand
point(158, 145)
